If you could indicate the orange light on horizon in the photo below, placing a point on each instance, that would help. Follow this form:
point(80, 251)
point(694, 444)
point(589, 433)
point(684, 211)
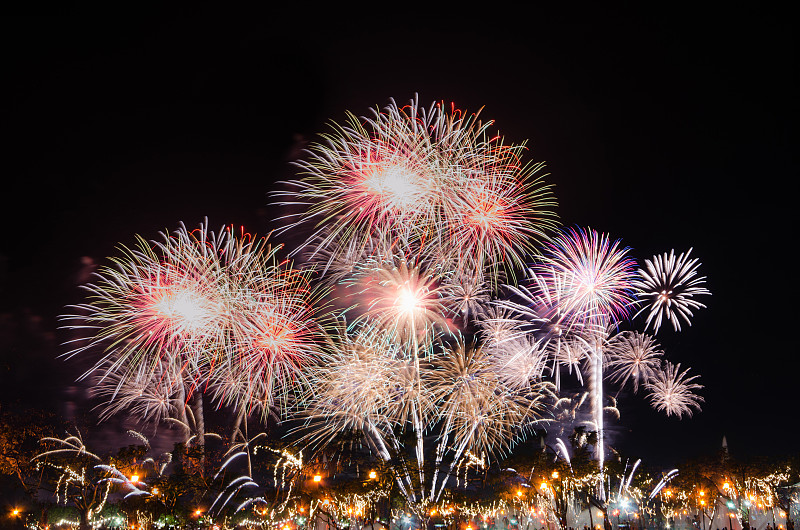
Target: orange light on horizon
point(372, 474)
point(317, 478)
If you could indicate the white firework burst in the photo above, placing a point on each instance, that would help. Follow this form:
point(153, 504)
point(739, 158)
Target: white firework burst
point(465, 293)
point(668, 285)
point(673, 391)
point(403, 296)
point(352, 390)
point(520, 362)
point(479, 411)
point(151, 394)
point(633, 357)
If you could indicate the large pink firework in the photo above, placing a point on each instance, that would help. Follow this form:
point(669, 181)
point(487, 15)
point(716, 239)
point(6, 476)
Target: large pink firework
point(202, 302)
point(425, 175)
point(167, 298)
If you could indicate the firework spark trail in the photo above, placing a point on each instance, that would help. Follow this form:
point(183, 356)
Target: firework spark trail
point(118, 478)
point(596, 386)
point(663, 482)
point(673, 391)
point(562, 452)
point(627, 483)
point(669, 285)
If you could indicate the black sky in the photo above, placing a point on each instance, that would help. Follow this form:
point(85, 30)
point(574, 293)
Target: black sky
point(666, 129)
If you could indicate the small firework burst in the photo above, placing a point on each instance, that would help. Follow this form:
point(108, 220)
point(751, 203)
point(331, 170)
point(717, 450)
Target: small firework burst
point(479, 411)
point(597, 276)
point(465, 293)
point(633, 357)
point(498, 327)
point(543, 300)
point(668, 286)
point(153, 395)
point(673, 391)
point(520, 362)
point(404, 296)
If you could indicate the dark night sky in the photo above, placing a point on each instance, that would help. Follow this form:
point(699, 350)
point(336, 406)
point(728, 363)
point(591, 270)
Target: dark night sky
point(668, 130)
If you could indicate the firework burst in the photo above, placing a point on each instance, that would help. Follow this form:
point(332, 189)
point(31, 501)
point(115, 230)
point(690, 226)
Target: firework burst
point(633, 357)
point(668, 286)
point(465, 293)
point(520, 362)
point(595, 273)
point(351, 392)
point(673, 391)
point(423, 174)
point(193, 302)
point(403, 295)
point(165, 297)
point(480, 411)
